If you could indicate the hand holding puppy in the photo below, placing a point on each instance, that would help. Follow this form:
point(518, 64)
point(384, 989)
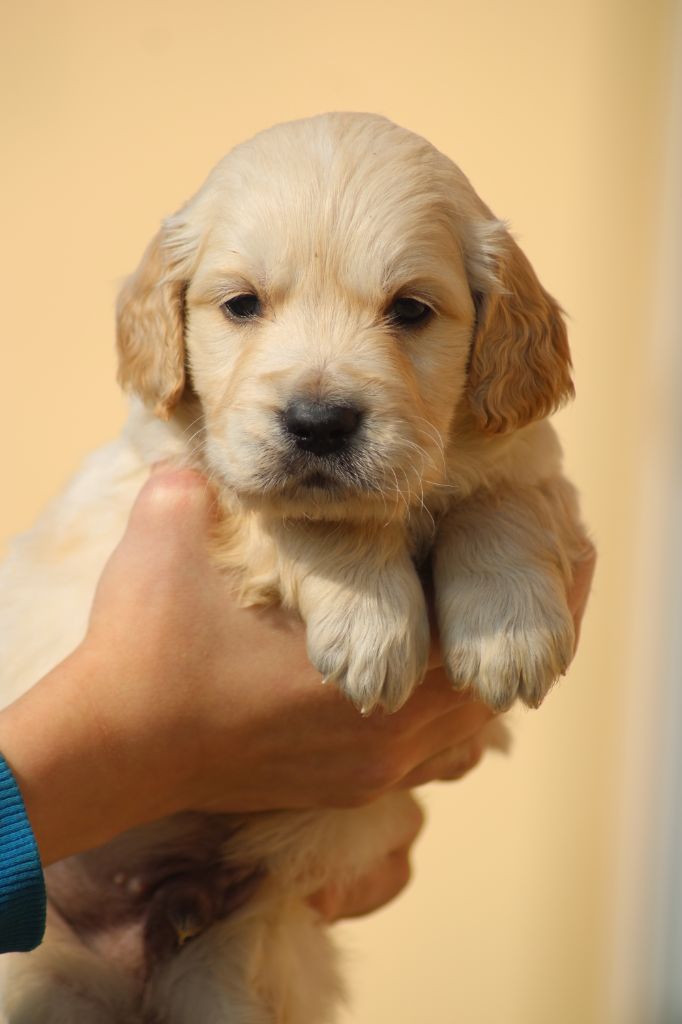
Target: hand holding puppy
point(178, 699)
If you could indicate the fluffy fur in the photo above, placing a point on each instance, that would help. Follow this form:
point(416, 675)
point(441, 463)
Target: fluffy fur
point(327, 221)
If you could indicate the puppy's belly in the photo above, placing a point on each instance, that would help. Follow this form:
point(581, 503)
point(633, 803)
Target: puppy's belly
point(139, 899)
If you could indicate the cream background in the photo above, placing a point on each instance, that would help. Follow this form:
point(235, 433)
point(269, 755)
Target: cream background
point(112, 115)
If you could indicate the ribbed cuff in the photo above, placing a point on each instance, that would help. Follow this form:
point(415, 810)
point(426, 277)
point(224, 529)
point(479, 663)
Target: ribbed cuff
point(22, 886)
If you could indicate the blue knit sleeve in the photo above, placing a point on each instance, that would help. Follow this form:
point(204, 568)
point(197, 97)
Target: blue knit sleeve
point(22, 886)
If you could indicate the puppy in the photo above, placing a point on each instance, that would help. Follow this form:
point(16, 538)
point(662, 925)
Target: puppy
point(340, 333)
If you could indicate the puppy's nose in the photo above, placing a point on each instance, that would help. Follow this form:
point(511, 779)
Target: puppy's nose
point(319, 427)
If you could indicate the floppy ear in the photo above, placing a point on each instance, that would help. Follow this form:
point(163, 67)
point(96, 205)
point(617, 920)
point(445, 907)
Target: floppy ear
point(519, 365)
point(150, 329)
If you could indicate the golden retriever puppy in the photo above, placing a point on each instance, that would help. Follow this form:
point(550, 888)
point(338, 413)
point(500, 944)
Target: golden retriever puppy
point(339, 332)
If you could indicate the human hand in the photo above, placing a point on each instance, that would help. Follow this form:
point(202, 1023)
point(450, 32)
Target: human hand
point(380, 885)
point(178, 699)
point(196, 670)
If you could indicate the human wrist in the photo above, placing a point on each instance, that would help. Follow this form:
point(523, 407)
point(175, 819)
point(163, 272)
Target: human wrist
point(72, 775)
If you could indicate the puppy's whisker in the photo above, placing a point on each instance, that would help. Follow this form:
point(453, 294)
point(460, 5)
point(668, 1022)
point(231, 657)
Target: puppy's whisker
point(426, 457)
point(434, 434)
point(197, 419)
point(194, 448)
point(201, 429)
point(408, 500)
point(384, 501)
point(426, 509)
point(399, 494)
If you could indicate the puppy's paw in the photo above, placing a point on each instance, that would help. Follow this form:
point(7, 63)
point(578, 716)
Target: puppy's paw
point(374, 647)
point(506, 645)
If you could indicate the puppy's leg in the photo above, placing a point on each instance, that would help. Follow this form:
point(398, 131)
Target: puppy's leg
point(502, 564)
point(272, 964)
point(64, 982)
point(363, 605)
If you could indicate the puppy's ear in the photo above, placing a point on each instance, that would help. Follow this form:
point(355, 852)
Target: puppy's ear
point(150, 328)
point(519, 365)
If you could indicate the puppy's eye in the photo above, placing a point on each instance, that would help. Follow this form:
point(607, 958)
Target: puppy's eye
point(409, 312)
point(243, 307)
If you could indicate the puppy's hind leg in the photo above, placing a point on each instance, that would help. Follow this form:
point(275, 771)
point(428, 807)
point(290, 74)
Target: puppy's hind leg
point(62, 982)
point(272, 964)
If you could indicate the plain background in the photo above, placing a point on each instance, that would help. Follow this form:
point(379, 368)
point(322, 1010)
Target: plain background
point(113, 114)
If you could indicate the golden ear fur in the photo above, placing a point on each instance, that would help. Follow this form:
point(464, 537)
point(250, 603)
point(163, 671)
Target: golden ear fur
point(150, 329)
point(519, 365)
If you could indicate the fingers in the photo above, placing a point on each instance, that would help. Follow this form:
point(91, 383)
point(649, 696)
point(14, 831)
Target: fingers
point(368, 893)
point(447, 766)
point(375, 888)
point(450, 745)
point(440, 716)
point(444, 746)
point(431, 700)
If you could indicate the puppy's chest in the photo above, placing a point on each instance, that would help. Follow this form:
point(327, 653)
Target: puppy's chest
point(268, 558)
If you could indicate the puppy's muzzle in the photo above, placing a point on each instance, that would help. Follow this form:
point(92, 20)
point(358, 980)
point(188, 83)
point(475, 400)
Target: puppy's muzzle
point(321, 428)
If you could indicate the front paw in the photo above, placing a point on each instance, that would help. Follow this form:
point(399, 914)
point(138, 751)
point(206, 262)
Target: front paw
point(506, 645)
point(375, 650)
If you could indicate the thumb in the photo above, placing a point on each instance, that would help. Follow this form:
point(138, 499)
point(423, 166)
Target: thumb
point(175, 508)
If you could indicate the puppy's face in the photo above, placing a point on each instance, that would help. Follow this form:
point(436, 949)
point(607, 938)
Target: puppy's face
point(320, 288)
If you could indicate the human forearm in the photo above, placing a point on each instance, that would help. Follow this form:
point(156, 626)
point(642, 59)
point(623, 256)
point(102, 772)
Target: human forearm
point(70, 774)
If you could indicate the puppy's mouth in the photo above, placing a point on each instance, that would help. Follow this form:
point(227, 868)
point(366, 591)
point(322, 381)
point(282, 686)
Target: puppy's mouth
point(326, 477)
point(349, 485)
point(296, 478)
point(318, 481)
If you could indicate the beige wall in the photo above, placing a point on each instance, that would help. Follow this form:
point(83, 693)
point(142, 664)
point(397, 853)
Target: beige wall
point(112, 115)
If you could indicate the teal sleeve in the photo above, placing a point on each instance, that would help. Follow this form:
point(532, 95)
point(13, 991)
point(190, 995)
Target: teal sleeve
point(22, 886)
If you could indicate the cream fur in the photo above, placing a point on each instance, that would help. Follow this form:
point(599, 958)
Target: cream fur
point(327, 221)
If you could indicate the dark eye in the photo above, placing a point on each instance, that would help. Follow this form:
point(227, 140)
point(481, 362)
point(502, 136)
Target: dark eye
point(409, 312)
point(244, 307)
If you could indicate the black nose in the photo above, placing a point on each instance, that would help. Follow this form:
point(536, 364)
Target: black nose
point(319, 427)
